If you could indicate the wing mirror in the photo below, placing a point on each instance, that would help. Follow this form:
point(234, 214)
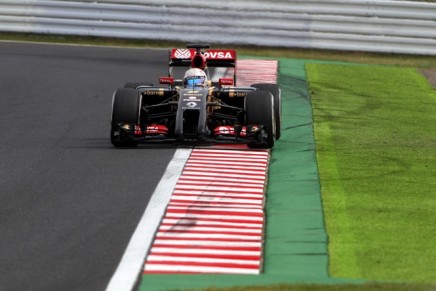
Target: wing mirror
point(166, 80)
point(226, 81)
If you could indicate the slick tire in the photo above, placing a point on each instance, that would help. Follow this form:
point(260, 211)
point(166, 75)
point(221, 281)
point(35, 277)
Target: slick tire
point(275, 91)
point(126, 109)
point(259, 110)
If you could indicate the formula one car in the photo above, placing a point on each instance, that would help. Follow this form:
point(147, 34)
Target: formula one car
point(197, 108)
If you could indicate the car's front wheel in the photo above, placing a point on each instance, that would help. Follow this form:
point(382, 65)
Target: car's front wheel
point(126, 108)
point(276, 92)
point(259, 111)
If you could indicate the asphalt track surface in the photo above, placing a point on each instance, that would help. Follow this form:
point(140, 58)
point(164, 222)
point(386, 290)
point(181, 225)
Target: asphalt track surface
point(69, 201)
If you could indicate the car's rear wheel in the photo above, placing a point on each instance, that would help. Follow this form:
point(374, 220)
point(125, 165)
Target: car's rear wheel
point(259, 111)
point(276, 92)
point(126, 110)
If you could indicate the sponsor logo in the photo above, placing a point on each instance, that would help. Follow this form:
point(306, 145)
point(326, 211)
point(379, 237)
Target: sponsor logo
point(154, 93)
point(192, 99)
point(229, 130)
point(237, 94)
point(218, 55)
point(225, 130)
point(156, 129)
point(152, 129)
point(137, 130)
point(191, 104)
point(166, 80)
point(196, 95)
point(226, 81)
point(182, 54)
point(211, 54)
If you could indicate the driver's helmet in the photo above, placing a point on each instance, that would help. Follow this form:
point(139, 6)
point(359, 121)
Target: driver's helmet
point(195, 77)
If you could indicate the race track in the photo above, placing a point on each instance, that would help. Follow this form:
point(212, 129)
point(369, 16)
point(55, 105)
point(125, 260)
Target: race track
point(69, 201)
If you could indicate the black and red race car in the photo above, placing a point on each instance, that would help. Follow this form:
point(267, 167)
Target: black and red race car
point(219, 112)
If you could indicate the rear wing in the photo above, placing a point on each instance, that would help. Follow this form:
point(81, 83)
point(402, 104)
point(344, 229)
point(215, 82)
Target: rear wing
point(214, 57)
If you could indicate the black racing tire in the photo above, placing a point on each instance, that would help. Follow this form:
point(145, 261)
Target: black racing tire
point(259, 110)
point(134, 85)
point(126, 108)
point(274, 89)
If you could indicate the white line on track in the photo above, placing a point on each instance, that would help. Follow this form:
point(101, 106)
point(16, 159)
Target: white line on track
point(132, 261)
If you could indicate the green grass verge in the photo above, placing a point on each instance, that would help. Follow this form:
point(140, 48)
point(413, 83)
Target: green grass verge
point(375, 130)
point(343, 287)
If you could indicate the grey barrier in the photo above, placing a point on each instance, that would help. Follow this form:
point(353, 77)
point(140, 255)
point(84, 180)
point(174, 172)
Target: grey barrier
point(357, 25)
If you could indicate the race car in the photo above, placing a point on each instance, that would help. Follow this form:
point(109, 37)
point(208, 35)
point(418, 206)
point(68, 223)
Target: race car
point(203, 107)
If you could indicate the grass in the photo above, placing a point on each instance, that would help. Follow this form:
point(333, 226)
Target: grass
point(344, 287)
point(355, 57)
point(375, 130)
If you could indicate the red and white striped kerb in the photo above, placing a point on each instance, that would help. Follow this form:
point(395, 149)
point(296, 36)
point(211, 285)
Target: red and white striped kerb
point(256, 71)
point(215, 218)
